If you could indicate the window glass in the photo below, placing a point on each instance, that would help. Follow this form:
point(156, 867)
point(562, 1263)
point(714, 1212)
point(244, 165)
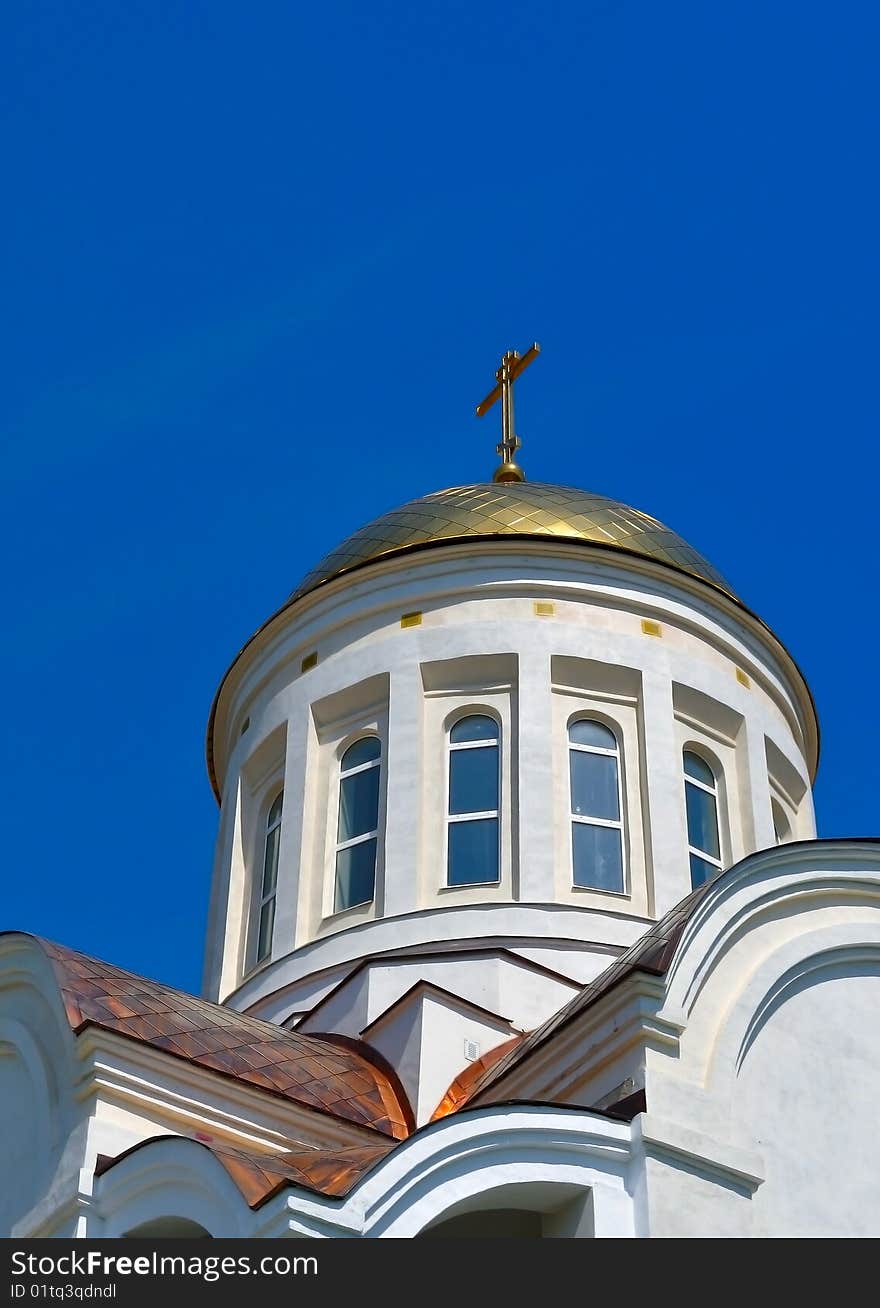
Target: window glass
point(594, 789)
point(358, 824)
point(362, 751)
point(355, 874)
point(596, 818)
point(473, 780)
point(269, 879)
point(697, 768)
point(702, 820)
point(270, 861)
point(701, 803)
point(267, 922)
point(586, 731)
point(701, 870)
point(598, 857)
point(476, 727)
point(473, 852)
point(358, 804)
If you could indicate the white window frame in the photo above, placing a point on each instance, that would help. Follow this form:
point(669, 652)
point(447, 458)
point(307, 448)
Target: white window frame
point(715, 792)
point(474, 711)
point(340, 845)
point(619, 825)
point(262, 898)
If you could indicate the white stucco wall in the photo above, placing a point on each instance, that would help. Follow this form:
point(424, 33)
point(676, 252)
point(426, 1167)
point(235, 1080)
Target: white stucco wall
point(713, 675)
point(758, 1051)
point(774, 991)
point(807, 1093)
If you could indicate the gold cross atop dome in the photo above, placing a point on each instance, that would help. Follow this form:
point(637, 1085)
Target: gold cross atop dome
point(512, 365)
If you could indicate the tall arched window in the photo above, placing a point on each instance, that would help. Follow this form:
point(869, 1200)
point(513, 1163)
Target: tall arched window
point(701, 798)
point(596, 808)
point(269, 881)
point(472, 853)
point(357, 829)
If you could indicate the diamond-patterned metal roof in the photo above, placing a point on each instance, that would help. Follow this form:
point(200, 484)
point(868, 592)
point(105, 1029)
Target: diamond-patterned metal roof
point(259, 1177)
point(321, 1073)
point(516, 510)
point(96, 993)
point(472, 1075)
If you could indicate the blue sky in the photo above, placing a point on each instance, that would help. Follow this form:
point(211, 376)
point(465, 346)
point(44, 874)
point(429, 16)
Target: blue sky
point(259, 263)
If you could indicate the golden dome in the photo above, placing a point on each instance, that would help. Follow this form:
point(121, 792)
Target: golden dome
point(515, 510)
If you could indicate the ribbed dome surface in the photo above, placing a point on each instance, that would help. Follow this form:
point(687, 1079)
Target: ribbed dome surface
point(513, 509)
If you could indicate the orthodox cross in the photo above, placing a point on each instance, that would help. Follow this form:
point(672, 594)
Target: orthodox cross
point(512, 365)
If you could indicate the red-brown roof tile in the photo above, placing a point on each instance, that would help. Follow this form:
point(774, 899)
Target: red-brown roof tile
point(343, 1080)
point(330, 1073)
point(463, 1085)
point(331, 1172)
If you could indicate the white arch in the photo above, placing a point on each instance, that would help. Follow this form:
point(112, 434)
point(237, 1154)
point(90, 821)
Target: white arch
point(452, 1164)
point(38, 1053)
point(834, 951)
point(171, 1178)
point(771, 885)
point(767, 930)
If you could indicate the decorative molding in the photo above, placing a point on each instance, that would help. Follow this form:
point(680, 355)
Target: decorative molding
point(190, 1098)
point(665, 1140)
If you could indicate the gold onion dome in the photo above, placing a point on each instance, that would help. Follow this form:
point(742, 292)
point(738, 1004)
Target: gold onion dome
point(512, 510)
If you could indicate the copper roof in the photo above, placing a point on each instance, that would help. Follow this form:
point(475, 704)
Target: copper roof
point(344, 1081)
point(327, 1074)
point(331, 1172)
point(462, 1087)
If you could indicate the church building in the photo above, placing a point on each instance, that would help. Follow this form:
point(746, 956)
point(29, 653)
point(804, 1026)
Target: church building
point(519, 925)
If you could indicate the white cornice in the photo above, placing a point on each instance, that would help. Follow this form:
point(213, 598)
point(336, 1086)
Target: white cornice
point(619, 580)
point(457, 928)
point(190, 1099)
point(624, 1019)
point(670, 1140)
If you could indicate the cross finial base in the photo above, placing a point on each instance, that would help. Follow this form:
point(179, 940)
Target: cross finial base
point(512, 364)
point(506, 472)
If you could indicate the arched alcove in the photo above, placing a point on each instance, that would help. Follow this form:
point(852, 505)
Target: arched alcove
point(168, 1228)
point(531, 1210)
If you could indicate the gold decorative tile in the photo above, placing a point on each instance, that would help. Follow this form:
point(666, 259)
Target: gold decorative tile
point(514, 509)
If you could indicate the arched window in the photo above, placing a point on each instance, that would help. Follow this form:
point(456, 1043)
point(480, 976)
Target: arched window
point(472, 854)
point(596, 808)
point(357, 829)
point(701, 798)
point(269, 882)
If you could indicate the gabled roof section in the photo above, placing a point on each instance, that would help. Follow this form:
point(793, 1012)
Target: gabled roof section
point(473, 1074)
point(342, 1081)
point(651, 953)
point(430, 990)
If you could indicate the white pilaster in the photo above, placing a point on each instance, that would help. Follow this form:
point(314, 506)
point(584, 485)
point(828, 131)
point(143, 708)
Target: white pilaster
point(663, 795)
point(756, 803)
point(533, 781)
point(404, 774)
point(289, 929)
